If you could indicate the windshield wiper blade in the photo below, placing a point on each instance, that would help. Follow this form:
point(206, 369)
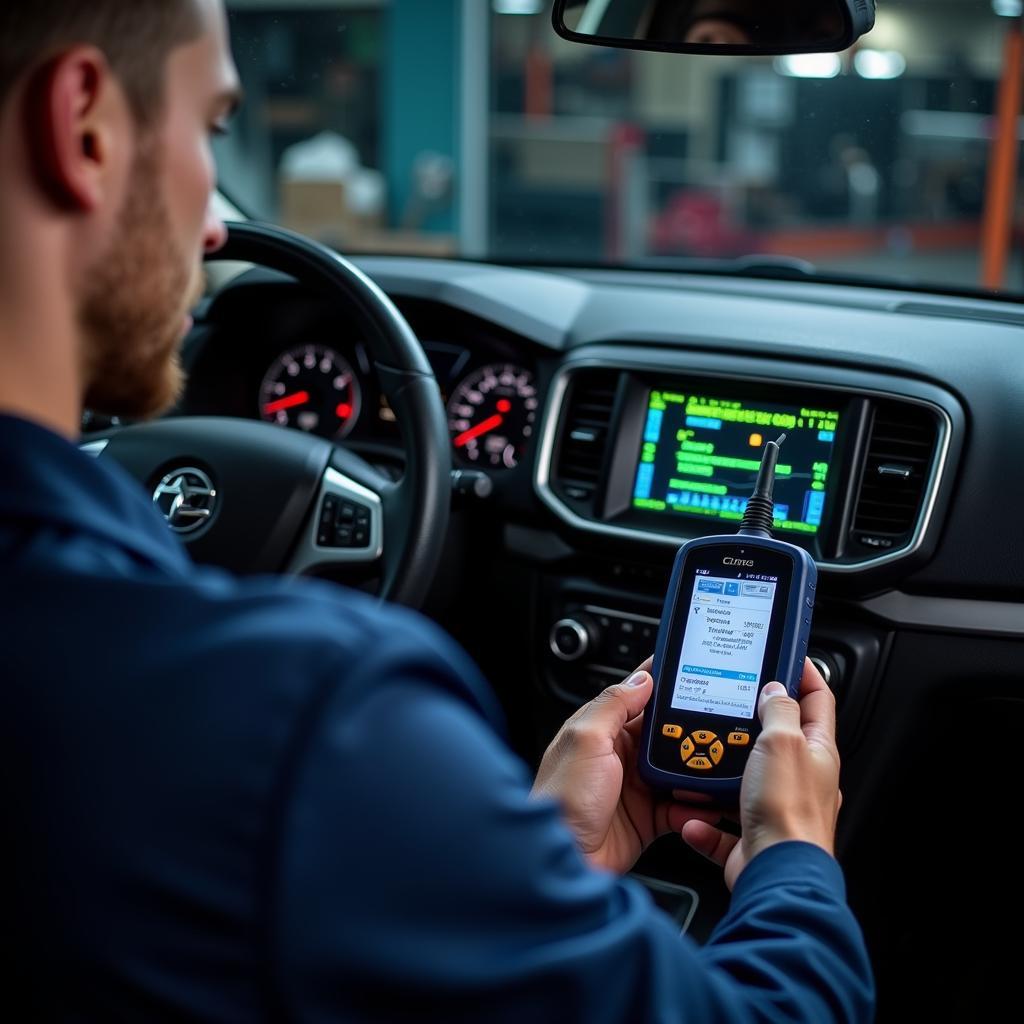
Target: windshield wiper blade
point(773, 267)
point(757, 265)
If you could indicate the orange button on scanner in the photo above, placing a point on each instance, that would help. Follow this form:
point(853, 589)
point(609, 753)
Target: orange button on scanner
point(686, 748)
point(739, 739)
point(673, 732)
point(700, 763)
point(703, 737)
point(717, 751)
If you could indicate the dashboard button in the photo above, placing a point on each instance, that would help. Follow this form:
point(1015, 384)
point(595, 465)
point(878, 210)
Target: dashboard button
point(702, 764)
point(704, 737)
point(717, 751)
point(673, 732)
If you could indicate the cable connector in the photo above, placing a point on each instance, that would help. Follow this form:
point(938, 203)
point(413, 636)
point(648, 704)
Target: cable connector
point(759, 517)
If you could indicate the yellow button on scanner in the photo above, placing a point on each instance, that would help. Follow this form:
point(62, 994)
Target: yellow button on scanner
point(703, 737)
point(686, 748)
point(700, 763)
point(717, 751)
point(673, 732)
point(739, 739)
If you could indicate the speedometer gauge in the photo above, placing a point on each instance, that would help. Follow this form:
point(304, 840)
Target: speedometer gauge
point(311, 388)
point(491, 415)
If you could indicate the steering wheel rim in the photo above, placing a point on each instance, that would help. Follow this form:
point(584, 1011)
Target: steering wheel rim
point(252, 497)
point(417, 508)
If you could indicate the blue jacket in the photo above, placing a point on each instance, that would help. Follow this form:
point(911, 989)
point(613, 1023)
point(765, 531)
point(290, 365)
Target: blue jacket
point(238, 800)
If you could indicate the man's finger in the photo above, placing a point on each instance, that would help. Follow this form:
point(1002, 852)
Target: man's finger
point(611, 709)
point(677, 815)
point(709, 841)
point(778, 711)
point(817, 706)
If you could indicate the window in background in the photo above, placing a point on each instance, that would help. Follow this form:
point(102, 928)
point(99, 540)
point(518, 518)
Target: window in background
point(869, 162)
point(447, 127)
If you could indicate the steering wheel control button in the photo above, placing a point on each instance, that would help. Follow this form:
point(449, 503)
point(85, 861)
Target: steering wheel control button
point(186, 498)
point(687, 749)
point(702, 764)
point(717, 751)
point(673, 732)
point(704, 737)
point(738, 739)
point(569, 640)
point(343, 524)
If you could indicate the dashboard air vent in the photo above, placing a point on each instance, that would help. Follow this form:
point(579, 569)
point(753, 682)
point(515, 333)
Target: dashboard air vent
point(896, 471)
point(584, 435)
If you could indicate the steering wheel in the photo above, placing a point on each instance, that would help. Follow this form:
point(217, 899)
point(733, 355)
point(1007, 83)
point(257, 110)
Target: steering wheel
point(254, 497)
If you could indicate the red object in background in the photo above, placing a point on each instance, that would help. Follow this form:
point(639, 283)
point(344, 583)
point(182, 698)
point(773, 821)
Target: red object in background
point(1001, 193)
point(696, 223)
point(540, 84)
point(624, 142)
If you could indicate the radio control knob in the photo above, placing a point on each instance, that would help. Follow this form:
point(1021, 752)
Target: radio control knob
point(824, 666)
point(571, 638)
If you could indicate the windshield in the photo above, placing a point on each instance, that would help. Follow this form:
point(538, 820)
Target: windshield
point(469, 128)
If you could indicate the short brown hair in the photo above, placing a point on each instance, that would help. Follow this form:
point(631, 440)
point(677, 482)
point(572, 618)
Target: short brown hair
point(136, 36)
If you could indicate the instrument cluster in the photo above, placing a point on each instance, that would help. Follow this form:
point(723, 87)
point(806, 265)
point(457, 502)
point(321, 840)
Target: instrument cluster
point(492, 408)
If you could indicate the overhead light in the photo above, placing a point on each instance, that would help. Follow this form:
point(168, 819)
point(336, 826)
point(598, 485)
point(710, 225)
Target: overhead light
point(879, 63)
point(809, 65)
point(1008, 8)
point(518, 6)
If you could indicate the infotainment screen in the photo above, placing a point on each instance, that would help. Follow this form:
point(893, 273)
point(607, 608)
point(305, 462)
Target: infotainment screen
point(700, 457)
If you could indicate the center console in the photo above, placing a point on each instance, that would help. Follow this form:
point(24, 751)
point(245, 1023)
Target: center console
point(643, 449)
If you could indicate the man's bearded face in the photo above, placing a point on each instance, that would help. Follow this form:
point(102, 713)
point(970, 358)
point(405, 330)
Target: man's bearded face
point(135, 303)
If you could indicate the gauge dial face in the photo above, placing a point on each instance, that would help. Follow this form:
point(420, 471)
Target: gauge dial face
point(311, 388)
point(492, 414)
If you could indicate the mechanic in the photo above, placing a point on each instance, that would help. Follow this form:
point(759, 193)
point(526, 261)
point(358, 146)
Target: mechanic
point(235, 800)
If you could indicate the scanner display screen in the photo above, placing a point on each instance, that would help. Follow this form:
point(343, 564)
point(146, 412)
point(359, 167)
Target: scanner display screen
point(700, 457)
point(719, 667)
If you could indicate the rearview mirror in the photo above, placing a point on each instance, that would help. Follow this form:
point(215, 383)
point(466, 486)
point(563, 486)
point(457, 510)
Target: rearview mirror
point(717, 26)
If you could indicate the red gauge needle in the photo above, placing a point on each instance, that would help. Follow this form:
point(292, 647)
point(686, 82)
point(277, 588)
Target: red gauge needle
point(480, 428)
point(288, 402)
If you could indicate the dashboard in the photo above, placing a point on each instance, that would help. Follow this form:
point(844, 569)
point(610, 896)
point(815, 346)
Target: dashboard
point(617, 414)
point(302, 369)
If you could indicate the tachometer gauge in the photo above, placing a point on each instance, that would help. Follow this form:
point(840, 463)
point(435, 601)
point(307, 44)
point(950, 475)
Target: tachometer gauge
point(311, 388)
point(491, 416)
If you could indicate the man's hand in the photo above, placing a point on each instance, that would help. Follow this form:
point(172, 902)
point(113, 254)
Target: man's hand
point(791, 784)
point(590, 769)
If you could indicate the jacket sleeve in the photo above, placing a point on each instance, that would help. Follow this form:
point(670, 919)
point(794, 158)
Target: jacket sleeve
point(416, 879)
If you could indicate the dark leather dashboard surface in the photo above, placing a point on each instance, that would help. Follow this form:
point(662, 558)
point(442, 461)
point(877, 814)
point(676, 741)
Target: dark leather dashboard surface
point(973, 349)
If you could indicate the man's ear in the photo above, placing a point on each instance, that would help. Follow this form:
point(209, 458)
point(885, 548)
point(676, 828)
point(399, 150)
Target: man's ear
point(74, 108)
